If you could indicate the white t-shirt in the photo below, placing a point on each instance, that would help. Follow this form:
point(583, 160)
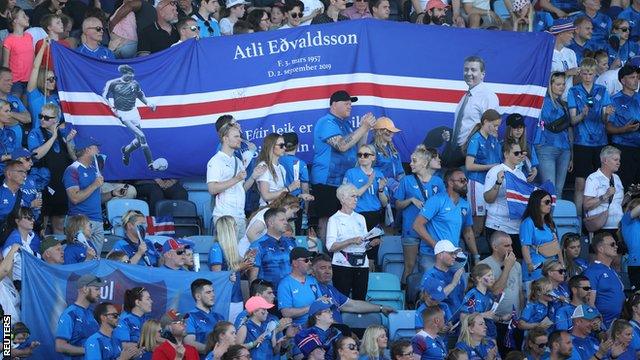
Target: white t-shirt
point(564, 60)
point(341, 227)
point(309, 6)
point(222, 167)
point(244, 243)
point(226, 26)
point(498, 211)
point(274, 184)
point(597, 184)
point(609, 79)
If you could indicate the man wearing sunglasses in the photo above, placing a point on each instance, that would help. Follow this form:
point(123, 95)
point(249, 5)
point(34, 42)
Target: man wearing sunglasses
point(173, 254)
point(205, 18)
point(298, 290)
point(101, 345)
point(188, 29)
point(581, 294)
point(92, 32)
point(537, 342)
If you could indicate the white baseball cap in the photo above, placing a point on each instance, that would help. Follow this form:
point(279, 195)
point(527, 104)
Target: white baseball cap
point(445, 246)
point(232, 3)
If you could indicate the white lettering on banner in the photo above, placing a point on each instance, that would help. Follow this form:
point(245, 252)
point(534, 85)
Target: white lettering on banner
point(283, 45)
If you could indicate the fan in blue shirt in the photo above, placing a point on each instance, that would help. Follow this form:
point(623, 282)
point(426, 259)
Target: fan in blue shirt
point(101, 345)
point(272, 250)
point(589, 106)
point(537, 311)
point(580, 289)
point(137, 306)
point(427, 343)
point(78, 249)
point(76, 322)
point(135, 228)
point(202, 319)
point(480, 299)
point(632, 15)
point(445, 278)
point(584, 343)
point(473, 338)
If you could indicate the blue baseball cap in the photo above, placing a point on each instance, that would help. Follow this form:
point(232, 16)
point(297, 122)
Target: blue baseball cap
point(20, 152)
point(318, 306)
point(585, 312)
point(85, 142)
point(435, 290)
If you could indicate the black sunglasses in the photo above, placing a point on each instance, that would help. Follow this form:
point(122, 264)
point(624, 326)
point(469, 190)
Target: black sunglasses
point(295, 15)
point(97, 28)
point(281, 145)
point(364, 155)
point(547, 202)
point(352, 346)
point(585, 288)
point(46, 117)
point(623, 29)
point(541, 345)
point(113, 315)
point(518, 153)
point(560, 271)
point(180, 252)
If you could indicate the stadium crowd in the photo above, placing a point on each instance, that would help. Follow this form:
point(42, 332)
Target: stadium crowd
point(489, 285)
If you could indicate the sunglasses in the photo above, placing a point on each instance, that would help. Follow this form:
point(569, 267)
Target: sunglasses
point(295, 15)
point(623, 29)
point(547, 202)
point(590, 101)
point(518, 153)
point(51, 79)
point(407, 354)
point(352, 347)
point(281, 145)
point(194, 28)
point(97, 28)
point(541, 345)
point(365, 155)
point(46, 117)
point(306, 260)
point(179, 252)
point(560, 271)
point(585, 288)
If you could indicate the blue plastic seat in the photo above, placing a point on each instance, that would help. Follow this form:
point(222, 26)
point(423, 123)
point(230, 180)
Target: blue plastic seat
point(393, 264)
point(402, 325)
point(389, 245)
point(202, 243)
point(383, 281)
point(116, 208)
point(361, 321)
point(565, 218)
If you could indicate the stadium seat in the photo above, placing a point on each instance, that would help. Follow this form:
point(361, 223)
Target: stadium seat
point(116, 208)
point(109, 241)
point(393, 264)
point(389, 245)
point(402, 325)
point(301, 241)
point(383, 282)
point(565, 218)
point(384, 289)
point(414, 283)
point(202, 243)
point(198, 193)
point(185, 216)
point(361, 321)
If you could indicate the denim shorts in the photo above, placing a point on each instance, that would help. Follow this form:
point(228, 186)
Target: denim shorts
point(410, 241)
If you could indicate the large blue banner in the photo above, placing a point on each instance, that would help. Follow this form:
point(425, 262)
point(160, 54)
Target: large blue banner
point(280, 81)
point(47, 290)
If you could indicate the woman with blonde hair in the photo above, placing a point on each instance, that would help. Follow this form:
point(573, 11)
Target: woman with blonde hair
point(473, 338)
point(257, 227)
point(537, 313)
point(387, 156)
point(224, 256)
point(140, 250)
point(271, 183)
point(78, 232)
point(150, 338)
point(412, 192)
point(374, 343)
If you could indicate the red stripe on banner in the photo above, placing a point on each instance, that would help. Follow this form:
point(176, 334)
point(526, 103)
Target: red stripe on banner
point(515, 196)
point(300, 94)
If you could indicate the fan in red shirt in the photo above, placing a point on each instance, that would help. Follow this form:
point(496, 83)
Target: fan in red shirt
point(174, 331)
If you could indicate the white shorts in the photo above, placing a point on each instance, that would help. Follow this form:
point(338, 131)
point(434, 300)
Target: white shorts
point(476, 198)
point(132, 115)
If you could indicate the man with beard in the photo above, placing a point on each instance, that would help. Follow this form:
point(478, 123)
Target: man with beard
point(102, 345)
point(445, 216)
point(436, 13)
point(77, 323)
point(560, 345)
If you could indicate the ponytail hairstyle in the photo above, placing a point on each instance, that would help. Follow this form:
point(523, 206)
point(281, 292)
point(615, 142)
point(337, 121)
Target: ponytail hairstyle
point(489, 115)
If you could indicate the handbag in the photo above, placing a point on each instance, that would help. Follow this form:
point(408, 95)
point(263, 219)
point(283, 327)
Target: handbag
point(560, 124)
point(596, 222)
point(355, 259)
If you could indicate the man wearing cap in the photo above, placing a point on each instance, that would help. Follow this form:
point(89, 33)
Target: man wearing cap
point(14, 177)
point(101, 345)
point(320, 321)
point(33, 184)
point(51, 250)
point(272, 262)
point(174, 330)
point(564, 59)
point(76, 322)
point(92, 32)
point(580, 289)
point(298, 290)
point(82, 182)
point(445, 215)
point(202, 319)
point(380, 9)
point(476, 100)
point(587, 346)
point(445, 277)
point(323, 273)
point(161, 34)
point(436, 13)
point(624, 123)
point(581, 39)
point(427, 343)
point(605, 281)
point(173, 255)
point(508, 281)
point(227, 178)
point(334, 144)
point(205, 18)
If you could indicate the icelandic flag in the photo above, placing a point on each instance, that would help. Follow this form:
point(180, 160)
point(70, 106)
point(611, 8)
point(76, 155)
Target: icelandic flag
point(518, 192)
point(509, 338)
point(161, 225)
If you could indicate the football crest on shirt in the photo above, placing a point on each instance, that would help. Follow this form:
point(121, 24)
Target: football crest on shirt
point(434, 189)
point(598, 97)
point(605, 275)
point(464, 211)
point(603, 25)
